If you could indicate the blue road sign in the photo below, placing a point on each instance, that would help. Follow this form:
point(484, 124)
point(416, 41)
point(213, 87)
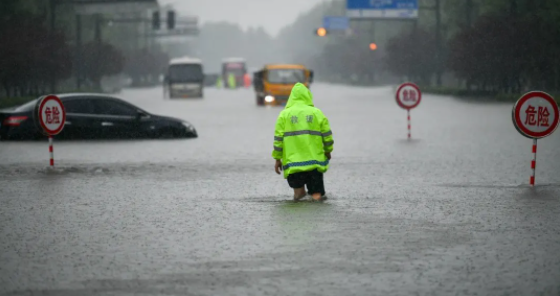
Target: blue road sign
point(382, 9)
point(336, 23)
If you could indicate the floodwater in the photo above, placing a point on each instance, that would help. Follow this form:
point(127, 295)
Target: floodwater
point(449, 212)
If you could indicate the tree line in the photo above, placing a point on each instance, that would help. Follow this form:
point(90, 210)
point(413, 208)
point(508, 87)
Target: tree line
point(37, 58)
point(486, 45)
point(501, 46)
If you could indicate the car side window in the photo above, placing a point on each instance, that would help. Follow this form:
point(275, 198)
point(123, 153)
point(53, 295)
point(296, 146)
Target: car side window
point(113, 107)
point(78, 106)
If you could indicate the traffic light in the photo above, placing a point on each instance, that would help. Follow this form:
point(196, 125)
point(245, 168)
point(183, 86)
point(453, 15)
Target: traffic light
point(322, 32)
point(372, 46)
point(155, 20)
point(171, 20)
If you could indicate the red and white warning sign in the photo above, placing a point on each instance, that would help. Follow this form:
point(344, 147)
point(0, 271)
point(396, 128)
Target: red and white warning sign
point(408, 96)
point(52, 115)
point(51, 118)
point(535, 115)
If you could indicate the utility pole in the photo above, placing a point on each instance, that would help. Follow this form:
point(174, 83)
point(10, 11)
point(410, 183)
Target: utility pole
point(438, 44)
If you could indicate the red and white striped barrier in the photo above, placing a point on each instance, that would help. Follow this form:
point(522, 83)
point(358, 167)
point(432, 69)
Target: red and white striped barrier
point(409, 133)
point(51, 150)
point(534, 163)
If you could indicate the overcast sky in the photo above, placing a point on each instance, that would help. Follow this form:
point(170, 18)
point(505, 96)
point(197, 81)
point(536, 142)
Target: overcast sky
point(273, 15)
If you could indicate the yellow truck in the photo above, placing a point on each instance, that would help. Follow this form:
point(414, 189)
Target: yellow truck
point(273, 83)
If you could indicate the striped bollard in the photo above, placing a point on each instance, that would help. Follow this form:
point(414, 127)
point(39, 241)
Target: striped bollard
point(51, 150)
point(534, 163)
point(408, 116)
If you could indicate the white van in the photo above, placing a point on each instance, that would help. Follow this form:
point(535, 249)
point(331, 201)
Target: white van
point(184, 78)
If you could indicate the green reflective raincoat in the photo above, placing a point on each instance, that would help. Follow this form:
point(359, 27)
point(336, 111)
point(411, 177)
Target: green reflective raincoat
point(231, 81)
point(302, 135)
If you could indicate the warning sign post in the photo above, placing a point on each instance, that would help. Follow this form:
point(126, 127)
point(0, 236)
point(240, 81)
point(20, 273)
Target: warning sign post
point(535, 116)
point(51, 117)
point(408, 97)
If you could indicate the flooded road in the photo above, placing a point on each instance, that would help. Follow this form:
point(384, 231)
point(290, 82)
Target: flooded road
point(447, 213)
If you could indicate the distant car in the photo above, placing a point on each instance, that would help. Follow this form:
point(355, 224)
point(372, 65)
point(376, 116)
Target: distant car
point(90, 116)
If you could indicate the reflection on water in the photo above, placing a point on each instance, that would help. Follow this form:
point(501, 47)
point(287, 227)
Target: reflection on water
point(299, 220)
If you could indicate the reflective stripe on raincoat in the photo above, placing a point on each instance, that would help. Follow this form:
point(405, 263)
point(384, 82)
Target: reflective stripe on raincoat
point(302, 135)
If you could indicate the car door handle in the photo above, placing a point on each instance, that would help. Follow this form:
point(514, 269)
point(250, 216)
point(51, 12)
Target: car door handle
point(107, 124)
point(67, 123)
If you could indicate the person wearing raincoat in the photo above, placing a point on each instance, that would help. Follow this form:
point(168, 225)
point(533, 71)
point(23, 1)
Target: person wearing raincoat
point(247, 80)
point(303, 143)
point(231, 81)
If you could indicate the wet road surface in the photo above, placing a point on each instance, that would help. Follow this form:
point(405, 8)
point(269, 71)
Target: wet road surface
point(447, 213)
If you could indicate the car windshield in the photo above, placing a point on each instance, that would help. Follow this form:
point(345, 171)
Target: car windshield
point(286, 76)
point(186, 73)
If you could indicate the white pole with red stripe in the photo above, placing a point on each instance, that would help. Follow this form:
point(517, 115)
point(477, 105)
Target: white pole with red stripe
point(535, 115)
point(408, 117)
point(534, 163)
point(51, 151)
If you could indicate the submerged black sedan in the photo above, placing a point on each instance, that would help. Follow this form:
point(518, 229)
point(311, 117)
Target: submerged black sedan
point(91, 116)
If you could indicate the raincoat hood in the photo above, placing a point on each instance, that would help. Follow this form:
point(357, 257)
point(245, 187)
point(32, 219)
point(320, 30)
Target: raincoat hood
point(300, 95)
